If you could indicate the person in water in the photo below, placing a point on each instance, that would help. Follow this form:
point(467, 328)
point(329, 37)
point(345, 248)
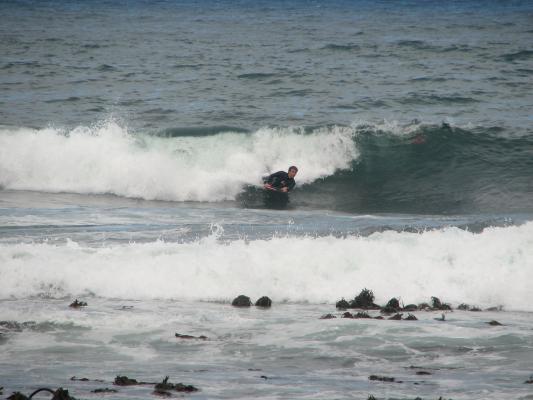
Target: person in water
point(281, 180)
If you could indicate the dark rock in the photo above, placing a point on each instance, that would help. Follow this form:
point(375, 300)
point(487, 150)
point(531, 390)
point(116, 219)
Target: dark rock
point(410, 307)
point(396, 317)
point(364, 300)
point(494, 323)
point(165, 385)
point(264, 302)
point(60, 394)
point(77, 304)
point(180, 336)
point(392, 306)
point(241, 301)
point(162, 393)
point(347, 314)
point(17, 396)
point(380, 378)
point(423, 373)
point(411, 317)
point(264, 377)
point(424, 306)
point(125, 381)
point(477, 309)
point(342, 304)
point(363, 314)
point(463, 307)
point(438, 305)
point(73, 378)
point(328, 316)
point(104, 390)
point(379, 317)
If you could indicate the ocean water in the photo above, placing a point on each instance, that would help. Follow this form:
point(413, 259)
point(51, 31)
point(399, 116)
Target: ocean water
point(133, 138)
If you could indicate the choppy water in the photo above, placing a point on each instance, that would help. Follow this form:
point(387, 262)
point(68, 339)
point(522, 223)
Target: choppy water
point(133, 138)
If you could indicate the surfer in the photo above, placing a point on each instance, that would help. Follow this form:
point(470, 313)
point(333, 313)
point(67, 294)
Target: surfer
point(281, 180)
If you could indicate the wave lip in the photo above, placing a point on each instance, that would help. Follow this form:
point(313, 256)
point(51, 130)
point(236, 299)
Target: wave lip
point(180, 165)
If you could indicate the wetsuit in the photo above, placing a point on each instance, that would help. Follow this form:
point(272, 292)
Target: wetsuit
point(281, 179)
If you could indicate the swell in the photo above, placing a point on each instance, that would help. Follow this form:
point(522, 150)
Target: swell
point(432, 169)
point(416, 168)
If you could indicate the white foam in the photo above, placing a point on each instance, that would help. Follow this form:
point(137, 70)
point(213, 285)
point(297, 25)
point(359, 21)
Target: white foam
point(107, 159)
point(484, 269)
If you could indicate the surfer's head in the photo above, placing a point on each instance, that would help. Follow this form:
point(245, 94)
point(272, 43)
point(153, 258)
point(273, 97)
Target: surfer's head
point(292, 171)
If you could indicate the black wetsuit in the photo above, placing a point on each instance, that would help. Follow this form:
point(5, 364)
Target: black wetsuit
point(281, 179)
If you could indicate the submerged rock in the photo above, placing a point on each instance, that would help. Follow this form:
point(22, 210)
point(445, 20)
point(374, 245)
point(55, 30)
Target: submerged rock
point(125, 381)
point(381, 378)
point(363, 314)
point(77, 304)
point(17, 396)
point(104, 390)
point(494, 323)
point(264, 302)
point(165, 385)
point(241, 301)
point(411, 317)
point(347, 314)
point(180, 336)
point(327, 316)
point(396, 317)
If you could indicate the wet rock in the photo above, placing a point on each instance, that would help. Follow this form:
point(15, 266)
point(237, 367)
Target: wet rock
point(363, 314)
point(125, 381)
point(73, 378)
point(423, 373)
point(494, 323)
point(342, 304)
point(264, 302)
point(364, 300)
point(424, 306)
point(104, 390)
point(379, 317)
point(180, 336)
point(162, 393)
point(60, 394)
point(241, 301)
point(411, 317)
point(328, 316)
point(17, 396)
point(436, 304)
point(463, 307)
point(396, 317)
point(381, 378)
point(347, 314)
point(264, 377)
point(165, 386)
point(77, 304)
point(410, 307)
point(392, 306)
